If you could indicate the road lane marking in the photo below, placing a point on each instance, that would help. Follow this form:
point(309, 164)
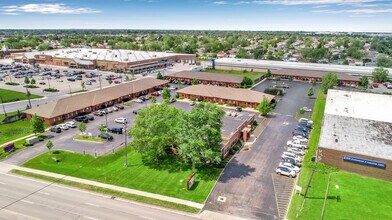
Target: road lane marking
point(91, 204)
point(88, 217)
point(19, 214)
point(26, 201)
point(44, 193)
point(146, 217)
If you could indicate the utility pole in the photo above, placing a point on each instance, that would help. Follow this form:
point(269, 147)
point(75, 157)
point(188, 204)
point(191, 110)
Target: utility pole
point(49, 82)
point(28, 96)
point(100, 80)
point(5, 113)
point(70, 92)
point(125, 145)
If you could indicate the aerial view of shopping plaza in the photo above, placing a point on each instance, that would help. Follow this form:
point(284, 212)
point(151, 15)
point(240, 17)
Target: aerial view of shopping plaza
point(157, 110)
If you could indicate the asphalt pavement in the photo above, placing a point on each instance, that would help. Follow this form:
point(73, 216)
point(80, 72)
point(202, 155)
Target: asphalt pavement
point(22, 198)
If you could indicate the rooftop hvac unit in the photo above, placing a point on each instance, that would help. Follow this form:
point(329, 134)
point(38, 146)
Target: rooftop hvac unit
point(94, 52)
point(125, 59)
point(154, 55)
point(84, 55)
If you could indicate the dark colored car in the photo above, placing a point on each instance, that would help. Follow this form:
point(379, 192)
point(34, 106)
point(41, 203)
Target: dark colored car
point(55, 129)
point(119, 107)
point(90, 117)
point(81, 119)
point(116, 130)
point(98, 113)
point(155, 94)
point(42, 83)
point(135, 112)
point(71, 79)
point(172, 100)
point(106, 136)
point(238, 109)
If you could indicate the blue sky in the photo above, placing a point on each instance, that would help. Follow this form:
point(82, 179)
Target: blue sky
point(276, 15)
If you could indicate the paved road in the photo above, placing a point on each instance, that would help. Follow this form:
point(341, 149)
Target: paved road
point(246, 187)
point(22, 198)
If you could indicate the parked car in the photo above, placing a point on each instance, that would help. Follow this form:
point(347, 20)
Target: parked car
point(114, 108)
point(296, 151)
point(90, 117)
point(63, 127)
point(292, 161)
point(71, 124)
point(139, 100)
point(192, 103)
point(81, 119)
point(172, 100)
point(289, 154)
point(108, 110)
point(115, 130)
point(155, 94)
point(285, 171)
point(291, 166)
point(71, 79)
point(55, 129)
point(119, 107)
point(120, 120)
point(42, 83)
point(106, 136)
point(300, 138)
point(297, 144)
point(306, 109)
point(98, 113)
point(238, 109)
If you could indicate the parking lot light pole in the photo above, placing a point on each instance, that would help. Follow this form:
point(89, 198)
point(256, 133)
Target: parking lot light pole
point(28, 96)
point(125, 145)
point(70, 92)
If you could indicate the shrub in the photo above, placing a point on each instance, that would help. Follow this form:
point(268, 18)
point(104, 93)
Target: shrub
point(51, 90)
point(302, 111)
point(12, 83)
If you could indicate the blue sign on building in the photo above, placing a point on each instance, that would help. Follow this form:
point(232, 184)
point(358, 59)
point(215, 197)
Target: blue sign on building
point(365, 162)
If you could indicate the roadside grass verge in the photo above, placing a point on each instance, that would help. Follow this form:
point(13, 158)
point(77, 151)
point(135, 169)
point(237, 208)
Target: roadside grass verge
point(14, 130)
point(78, 91)
point(251, 75)
point(19, 145)
point(110, 192)
point(357, 197)
point(166, 177)
point(13, 96)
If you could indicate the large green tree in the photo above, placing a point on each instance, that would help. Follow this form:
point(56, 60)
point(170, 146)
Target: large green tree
point(264, 107)
point(364, 81)
point(154, 129)
point(200, 134)
point(166, 93)
point(37, 124)
point(380, 75)
point(246, 82)
point(328, 81)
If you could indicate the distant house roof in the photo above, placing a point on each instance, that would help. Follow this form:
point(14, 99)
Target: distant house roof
point(208, 76)
point(93, 98)
point(242, 95)
point(314, 73)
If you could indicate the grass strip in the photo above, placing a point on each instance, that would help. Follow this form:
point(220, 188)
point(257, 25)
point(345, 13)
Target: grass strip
point(114, 193)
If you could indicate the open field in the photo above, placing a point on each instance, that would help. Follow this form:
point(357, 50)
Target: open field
point(252, 75)
point(356, 197)
point(166, 177)
point(110, 192)
point(13, 96)
point(19, 145)
point(14, 130)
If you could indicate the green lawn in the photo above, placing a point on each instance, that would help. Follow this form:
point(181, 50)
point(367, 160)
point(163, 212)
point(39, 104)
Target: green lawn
point(167, 177)
point(252, 75)
point(360, 197)
point(18, 146)
point(92, 139)
point(14, 130)
point(13, 96)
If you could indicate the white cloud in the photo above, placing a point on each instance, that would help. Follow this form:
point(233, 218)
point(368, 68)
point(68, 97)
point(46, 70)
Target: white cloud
point(220, 3)
point(45, 9)
point(355, 11)
point(310, 2)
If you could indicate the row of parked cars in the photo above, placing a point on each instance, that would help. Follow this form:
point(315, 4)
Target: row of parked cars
point(108, 110)
point(296, 149)
point(63, 127)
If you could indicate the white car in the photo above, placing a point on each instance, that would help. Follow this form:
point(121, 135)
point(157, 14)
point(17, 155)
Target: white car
point(307, 109)
point(109, 110)
point(300, 138)
point(63, 127)
point(291, 166)
point(114, 108)
point(289, 154)
point(70, 124)
point(296, 151)
point(172, 88)
point(139, 101)
point(59, 80)
point(297, 144)
point(285, 171)
point(120, 120)
point(307, 120)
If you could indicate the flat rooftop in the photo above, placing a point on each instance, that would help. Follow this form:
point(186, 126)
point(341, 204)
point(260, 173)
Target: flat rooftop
point(107, 54)
point(231, 124)
point(207, 76)
point(268, 64)
point(359, 123)
point(315, 73)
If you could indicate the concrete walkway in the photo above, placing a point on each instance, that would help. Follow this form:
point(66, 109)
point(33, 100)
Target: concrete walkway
point(5, 168)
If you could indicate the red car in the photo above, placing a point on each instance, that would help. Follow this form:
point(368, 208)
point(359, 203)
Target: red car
point(155, 94)
point(117, 82)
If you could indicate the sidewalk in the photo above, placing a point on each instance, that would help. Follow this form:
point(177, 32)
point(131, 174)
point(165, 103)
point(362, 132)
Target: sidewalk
point(5, 168)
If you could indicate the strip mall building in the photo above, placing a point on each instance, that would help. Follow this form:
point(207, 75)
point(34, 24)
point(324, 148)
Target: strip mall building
point(67, 108)
point(103, 59)
point(207, 78)
point(356, 135)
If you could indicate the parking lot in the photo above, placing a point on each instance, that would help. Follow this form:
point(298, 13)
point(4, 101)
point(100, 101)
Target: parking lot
point(249, 185)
